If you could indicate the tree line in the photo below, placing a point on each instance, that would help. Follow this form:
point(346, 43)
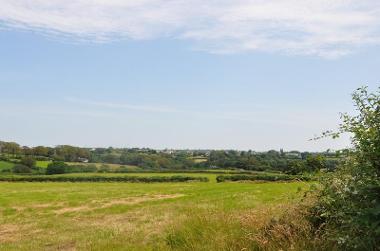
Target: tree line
point(149, 159)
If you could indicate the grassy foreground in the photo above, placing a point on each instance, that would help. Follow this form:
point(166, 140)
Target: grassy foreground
point(130, 216)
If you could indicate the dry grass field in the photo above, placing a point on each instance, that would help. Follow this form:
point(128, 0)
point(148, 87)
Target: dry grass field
point(138, 216)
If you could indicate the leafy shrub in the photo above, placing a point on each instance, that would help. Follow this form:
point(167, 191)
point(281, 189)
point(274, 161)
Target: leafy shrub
point(19, 168)
point(56, 167)
point(347, 212)
point(4, 158)
point(28, 161)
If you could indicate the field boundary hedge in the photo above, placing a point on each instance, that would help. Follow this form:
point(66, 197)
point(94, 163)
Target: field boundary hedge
point(210, 171)
point(223, 178)
point(135, 179)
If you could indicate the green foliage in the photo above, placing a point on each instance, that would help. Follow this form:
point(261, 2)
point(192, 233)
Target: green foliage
point(71, 153)
point(91, 168)
point(292, 162)
point(348, 209)
point(315, 163)
point(142, 179)
point(155, 161)
point(5, 165)
point(10, 148)
point(57, 167)
point(265, 177)
point(28, 161)
point(20, 168)
point(106, 169)
point(296, 167)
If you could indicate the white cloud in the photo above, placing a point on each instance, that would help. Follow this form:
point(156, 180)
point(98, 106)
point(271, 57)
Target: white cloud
point(327, 28)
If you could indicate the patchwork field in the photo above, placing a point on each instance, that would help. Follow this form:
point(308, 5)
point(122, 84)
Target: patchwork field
point(137, 216)
point(6, 165)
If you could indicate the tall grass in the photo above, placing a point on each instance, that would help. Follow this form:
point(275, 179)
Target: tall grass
point(281, 227)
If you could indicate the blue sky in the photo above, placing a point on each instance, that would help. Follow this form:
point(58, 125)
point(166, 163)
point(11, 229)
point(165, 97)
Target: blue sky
point(173, 85)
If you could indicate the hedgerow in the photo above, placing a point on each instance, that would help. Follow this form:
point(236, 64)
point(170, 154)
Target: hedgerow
point(347, 212)
point(136, 179)
point(266, 177)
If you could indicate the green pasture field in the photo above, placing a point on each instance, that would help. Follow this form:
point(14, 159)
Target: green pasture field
point(9, 165)
point(137, 216)
point(43, 163)
point(5, 165)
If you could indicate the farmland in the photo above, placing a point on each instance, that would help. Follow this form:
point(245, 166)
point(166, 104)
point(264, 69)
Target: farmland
point(189, 125)
point(130, 216)
point(4, 165)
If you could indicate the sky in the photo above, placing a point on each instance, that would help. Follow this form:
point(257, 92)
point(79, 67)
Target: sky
point(244, 74)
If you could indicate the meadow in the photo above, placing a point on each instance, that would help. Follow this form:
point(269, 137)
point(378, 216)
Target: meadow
point(139, 216)
point(6, 165)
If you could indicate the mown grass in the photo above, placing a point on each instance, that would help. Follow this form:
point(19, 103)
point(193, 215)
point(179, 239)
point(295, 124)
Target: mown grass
point(129, 216)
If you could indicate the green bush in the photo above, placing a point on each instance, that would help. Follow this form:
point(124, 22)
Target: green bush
point(28, 161)
point(4, 158)
point(347, 212)
point(19, 168)
point(56, 167)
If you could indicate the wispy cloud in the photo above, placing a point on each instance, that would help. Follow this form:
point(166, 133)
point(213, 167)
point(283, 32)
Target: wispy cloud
point(259, 115)
point(327, 28)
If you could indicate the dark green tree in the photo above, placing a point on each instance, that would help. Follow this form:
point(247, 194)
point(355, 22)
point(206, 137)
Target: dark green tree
point(28, 161)
point(315, 163)
point(57, 167)
point(19, 168)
